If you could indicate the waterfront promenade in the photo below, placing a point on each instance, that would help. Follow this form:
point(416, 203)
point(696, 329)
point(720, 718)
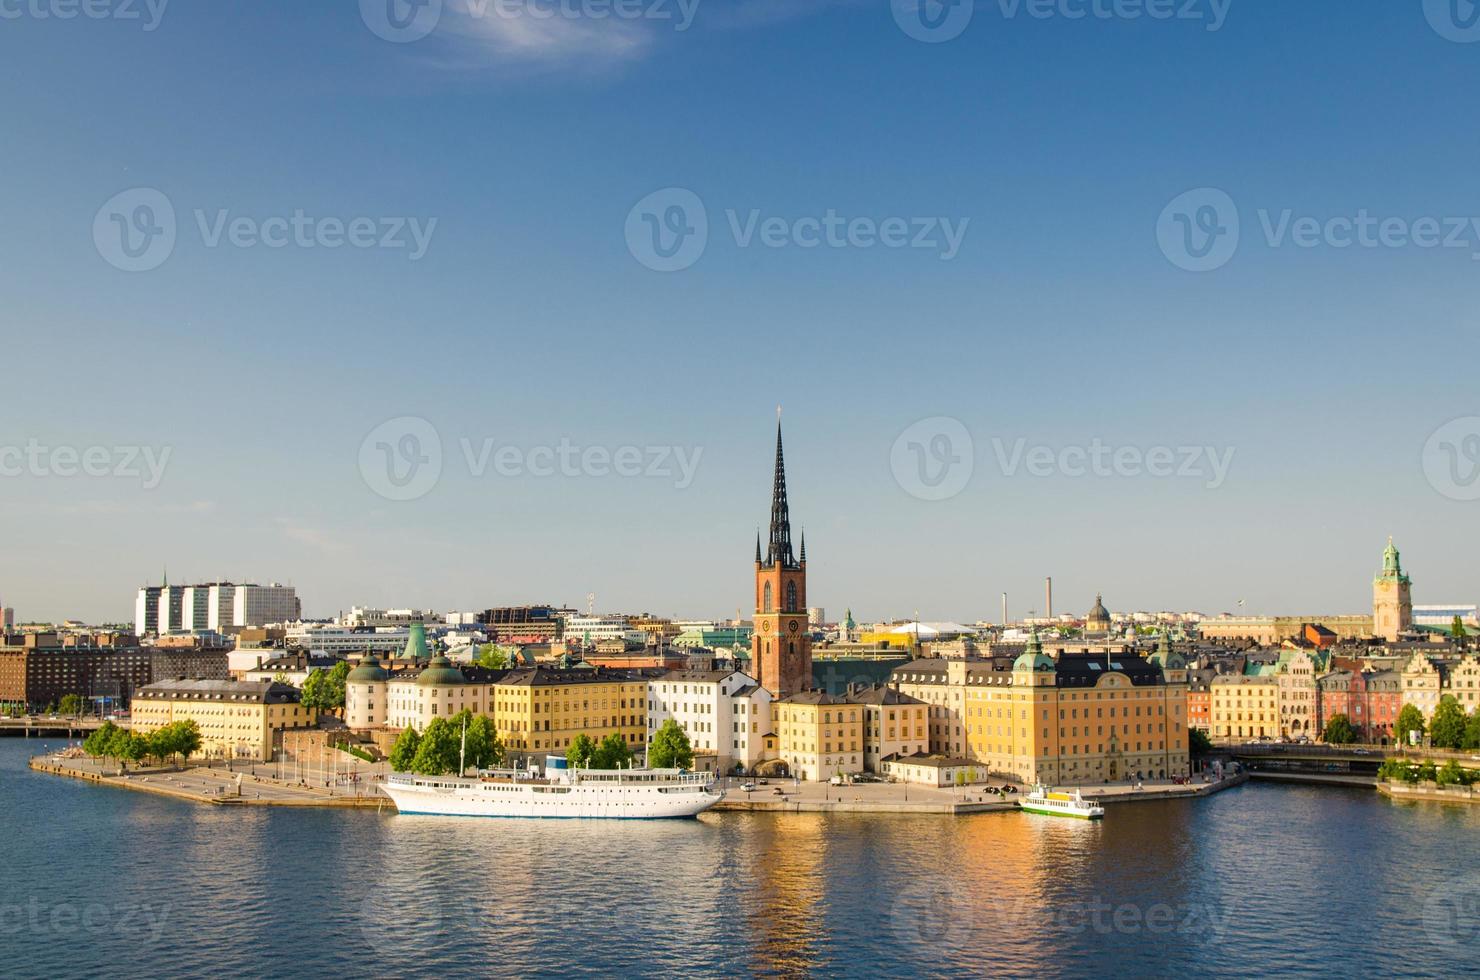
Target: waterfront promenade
point(217, 785)
point(910, 798)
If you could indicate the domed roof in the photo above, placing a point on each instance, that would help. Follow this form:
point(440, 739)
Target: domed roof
point(440, 673)
point(1166, 657)
point(368, 671)
point(1033, 657)
point(1099, 613)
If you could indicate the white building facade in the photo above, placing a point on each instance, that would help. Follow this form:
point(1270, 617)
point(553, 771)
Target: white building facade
point(726, 714)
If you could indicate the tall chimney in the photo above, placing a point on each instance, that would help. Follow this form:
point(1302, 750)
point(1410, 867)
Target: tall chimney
point(1048, 585)
point(1004, 610)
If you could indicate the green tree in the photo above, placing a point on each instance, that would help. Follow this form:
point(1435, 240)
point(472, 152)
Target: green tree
point(438, 752)
point(670, 748)
point(1198, 742)
point(1457, 631)
point(133, 747)
point(1472, 730)
point(484, 750)
point(612, 753)
point(1339, 731)
point(334, 685)
point(1450, 775)
point(581, 753)
point(71, 704)
point(492, 656)
point(404, 751)
point(1410, 719)
point(100, 743)
point(187, 739)
point(1447, 730)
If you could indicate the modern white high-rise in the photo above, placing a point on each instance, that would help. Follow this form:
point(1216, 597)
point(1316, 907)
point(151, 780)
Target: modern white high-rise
point(258, 605)
point(725, 713)
point(594, 629)
point(215, 606)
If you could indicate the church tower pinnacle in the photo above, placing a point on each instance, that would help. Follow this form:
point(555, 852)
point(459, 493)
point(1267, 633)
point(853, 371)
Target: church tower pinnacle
point(781, 646)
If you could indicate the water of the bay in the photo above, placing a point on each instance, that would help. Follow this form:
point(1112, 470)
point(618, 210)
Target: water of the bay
point(1257, 881)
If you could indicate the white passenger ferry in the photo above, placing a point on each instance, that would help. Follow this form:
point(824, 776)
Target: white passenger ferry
point(625, 794)
point(1061, 804)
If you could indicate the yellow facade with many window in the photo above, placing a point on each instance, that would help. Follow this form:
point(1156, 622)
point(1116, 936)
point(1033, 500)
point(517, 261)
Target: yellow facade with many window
point(236, 719)
point(818, 735)
point(542, 710)
point(1244, 707)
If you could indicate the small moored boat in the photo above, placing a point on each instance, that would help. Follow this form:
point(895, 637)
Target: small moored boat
point(1061, 805)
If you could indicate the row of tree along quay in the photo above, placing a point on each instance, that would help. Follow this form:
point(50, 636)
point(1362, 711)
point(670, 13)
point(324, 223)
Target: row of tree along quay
point(176, 741)
point(466, 742)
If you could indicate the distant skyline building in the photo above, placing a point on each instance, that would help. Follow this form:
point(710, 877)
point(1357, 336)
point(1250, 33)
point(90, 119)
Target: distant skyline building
point(215, 607)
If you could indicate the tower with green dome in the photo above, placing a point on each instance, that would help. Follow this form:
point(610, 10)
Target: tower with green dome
point(1392, 597)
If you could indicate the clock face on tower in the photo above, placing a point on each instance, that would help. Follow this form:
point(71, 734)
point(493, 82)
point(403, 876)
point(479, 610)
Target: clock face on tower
point(765, 626)
point(793, 626)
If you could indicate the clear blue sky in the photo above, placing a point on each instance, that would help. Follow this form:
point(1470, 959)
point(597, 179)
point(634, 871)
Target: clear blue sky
point(529, 320)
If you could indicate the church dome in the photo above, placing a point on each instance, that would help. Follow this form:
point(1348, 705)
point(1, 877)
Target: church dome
point(440, 673)
point(1166, 657)
point(368, 671)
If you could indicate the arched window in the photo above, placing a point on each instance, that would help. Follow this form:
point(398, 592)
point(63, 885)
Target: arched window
point(791, 597)
point(766, 598)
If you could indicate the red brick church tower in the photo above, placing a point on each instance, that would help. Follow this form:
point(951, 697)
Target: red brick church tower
point(781, 647)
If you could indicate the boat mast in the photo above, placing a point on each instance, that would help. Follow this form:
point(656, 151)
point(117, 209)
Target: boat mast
point(462, 754)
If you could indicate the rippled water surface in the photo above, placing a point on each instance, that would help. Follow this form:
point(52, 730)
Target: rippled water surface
point(1256, 881)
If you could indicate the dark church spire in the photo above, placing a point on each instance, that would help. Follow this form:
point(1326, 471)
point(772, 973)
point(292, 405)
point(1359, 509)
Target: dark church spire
point(779, 551)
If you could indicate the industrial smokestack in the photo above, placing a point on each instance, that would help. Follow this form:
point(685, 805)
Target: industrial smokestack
point(1004, 610)
point(1048, 589)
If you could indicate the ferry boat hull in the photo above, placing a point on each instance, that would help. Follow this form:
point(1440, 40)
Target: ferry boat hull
point(626, 795)
point(1047, 804)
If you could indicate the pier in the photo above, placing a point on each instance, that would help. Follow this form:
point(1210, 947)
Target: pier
point(213, 785)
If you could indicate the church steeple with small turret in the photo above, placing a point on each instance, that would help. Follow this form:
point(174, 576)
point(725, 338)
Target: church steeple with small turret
point(1392, 597)
point(781, 646)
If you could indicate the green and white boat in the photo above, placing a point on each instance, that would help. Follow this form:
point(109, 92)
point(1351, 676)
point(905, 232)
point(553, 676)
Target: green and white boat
point(1061, 805)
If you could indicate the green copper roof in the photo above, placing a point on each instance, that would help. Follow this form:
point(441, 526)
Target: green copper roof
point(1033, 657)
point(416, 644)
point(440, 673)
point(1166, 657)
point(369, 670)
point(1392, 565)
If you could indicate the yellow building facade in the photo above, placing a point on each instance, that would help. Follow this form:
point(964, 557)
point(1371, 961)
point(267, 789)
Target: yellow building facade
point(818, 735)
point(1244, 707)
point(1074, 719)
point(541, 709)
point(237, 719)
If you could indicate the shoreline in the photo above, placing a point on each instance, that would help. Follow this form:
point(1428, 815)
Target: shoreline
point(211, 787)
